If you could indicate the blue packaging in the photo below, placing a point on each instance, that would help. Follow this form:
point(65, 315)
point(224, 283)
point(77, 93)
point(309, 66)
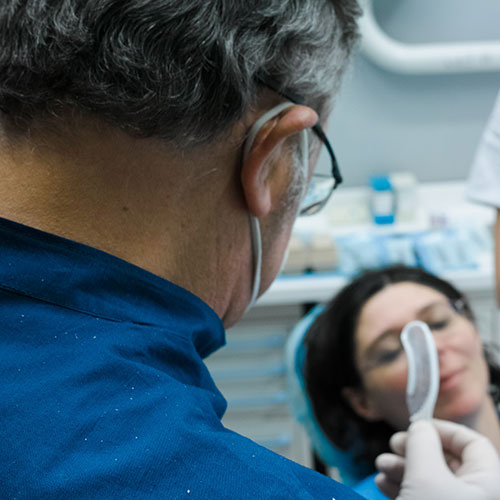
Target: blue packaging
point(383, 200)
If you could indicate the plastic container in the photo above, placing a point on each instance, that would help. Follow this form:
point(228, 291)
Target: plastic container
point(382, 200)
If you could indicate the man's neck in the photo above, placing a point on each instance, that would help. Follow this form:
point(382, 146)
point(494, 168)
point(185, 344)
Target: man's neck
point(131, 198)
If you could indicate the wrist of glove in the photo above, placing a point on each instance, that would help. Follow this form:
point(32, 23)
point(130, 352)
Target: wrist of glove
point(437, 460)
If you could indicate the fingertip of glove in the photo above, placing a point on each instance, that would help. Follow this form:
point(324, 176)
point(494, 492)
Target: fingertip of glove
point(385, 461)
point(380, 478)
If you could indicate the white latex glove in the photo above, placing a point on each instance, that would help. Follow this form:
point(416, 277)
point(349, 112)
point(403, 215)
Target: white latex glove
point(419, 470)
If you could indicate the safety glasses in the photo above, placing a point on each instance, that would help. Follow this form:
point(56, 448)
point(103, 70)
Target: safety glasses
point(321, 186)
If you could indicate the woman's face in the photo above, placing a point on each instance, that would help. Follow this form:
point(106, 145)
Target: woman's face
point(383, 365)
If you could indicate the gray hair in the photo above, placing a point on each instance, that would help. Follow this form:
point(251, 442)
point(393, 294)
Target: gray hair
point(181, 70)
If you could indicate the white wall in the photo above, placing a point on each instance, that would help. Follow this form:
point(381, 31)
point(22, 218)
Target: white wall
point(429, 124)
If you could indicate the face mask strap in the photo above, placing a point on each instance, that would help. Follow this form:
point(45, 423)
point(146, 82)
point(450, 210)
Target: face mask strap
point(257, 258)
point(268, 115)
point(304, 144)
point(255, 234)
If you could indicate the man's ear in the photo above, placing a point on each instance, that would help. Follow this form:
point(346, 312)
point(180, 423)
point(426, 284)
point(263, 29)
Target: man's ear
point(264, 183)
point(359, 401)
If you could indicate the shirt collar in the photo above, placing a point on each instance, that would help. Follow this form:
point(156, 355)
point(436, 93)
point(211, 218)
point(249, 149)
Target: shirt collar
point(73, 275)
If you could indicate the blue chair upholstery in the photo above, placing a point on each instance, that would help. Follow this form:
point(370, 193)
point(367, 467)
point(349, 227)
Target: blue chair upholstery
point(301, 407)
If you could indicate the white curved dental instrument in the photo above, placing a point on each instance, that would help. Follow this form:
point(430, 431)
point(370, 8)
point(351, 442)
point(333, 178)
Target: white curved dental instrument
point(423, 370)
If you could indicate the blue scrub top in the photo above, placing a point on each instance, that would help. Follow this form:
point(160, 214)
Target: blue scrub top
point(104, 392)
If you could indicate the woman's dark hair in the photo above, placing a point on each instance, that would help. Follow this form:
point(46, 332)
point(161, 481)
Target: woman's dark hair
point(330, 360)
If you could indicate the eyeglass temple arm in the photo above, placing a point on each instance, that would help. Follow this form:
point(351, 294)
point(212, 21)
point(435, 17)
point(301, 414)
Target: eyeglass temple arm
point(291, 96)
point(335, 168)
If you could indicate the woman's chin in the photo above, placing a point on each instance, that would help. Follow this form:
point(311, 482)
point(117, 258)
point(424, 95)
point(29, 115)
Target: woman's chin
point(462, 411)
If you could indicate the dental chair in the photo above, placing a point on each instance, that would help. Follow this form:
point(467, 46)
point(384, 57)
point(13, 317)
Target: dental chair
point(324, 452)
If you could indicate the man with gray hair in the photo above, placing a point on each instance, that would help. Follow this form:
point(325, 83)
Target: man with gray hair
point(151, 170)
point(153, 157)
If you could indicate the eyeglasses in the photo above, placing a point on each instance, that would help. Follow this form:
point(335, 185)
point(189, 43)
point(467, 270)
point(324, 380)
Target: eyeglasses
point(321, 186)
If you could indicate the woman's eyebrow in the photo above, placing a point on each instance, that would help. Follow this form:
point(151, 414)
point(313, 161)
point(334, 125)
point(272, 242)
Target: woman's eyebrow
point(426, 308)
point(396, 332)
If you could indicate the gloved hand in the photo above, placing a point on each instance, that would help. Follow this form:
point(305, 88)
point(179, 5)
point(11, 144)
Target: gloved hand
point(419, 470)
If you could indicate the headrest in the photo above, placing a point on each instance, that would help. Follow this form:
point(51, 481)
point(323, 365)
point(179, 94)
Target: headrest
point(301, 407)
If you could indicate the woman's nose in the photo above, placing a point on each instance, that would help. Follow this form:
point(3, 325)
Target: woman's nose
point(442, 346)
